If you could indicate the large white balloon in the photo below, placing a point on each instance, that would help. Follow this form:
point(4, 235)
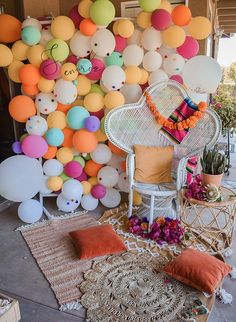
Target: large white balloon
point(36, 125)
point(197, 97)
point(157, 76)
point(202, 74)
point(152, 61)
point(132, 93)
point(52, 168)
point(116, 162)
point(45, 103)
point(65, 91)
point(113, 77)
point(67, 205)
point(135, 39)
point(133, 55)
point(80, 45)
point(103, 42)
point(89, 203)
point(173, 64)
point(108, 176)
point(30, 211)
point(72, 189)
point(112, 198)
point(123, 182)
point(102, 154)
point(44, 190)
point(21, 178)
point(151, 39)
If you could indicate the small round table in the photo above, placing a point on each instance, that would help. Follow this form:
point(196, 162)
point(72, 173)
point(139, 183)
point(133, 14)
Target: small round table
point(209, 226)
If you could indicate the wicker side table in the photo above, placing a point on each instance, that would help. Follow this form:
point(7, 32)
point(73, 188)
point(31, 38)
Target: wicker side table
point(209, 226)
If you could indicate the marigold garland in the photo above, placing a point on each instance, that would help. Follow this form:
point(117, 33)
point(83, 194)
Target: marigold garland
point(190, 122)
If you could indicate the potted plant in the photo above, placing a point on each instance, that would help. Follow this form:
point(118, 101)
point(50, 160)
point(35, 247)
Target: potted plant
point(213, 166)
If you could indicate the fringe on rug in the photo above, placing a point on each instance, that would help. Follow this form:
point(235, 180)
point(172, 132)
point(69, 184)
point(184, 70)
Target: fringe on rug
point(75, 305)
point(228, 252)
point(224, 297)
point(232, 274)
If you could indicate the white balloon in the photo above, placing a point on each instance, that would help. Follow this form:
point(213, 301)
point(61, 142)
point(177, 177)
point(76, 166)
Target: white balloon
point(108, 176)
point(173, 64)
point(103, 87)
point(44, 190)
point(45, 103)
point(202, 74)
point(197, 97)
point(151, 39)
point(132, 93)
point(133, 55)
point(113, 77)
point(103, 42)
point(166, 51)
point(65, 91)
point(135, 39)
point(115, 162)
point(89, 203)
point(80, 45)
point(36, 125)
point(102, 154)
point(31, 22)
point(30, 211)
point(67, 205)
point(123, 182)
point(21, 178)
point(52, 168)
point(72, 189)
point(157, 76)
point(45, 37)
point(152, 61)
point(112, 198)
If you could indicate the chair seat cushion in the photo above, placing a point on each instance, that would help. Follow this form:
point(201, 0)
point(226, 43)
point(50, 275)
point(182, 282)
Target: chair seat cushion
point(161, 189)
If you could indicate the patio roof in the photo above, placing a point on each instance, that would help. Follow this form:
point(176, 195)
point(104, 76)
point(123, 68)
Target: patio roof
point(226, 14)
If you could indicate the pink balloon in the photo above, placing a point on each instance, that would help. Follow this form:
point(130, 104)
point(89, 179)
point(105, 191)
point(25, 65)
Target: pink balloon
point(50, 69)
point(177, 78)
point(82, 177)
point(75, 16)
point(73, 169)
point(189, 48)
point(161, 19)
point(72, 59)
point(34, 146)
point(99, 114)
point(98, 67)
point(121, 43)
point(98, 191)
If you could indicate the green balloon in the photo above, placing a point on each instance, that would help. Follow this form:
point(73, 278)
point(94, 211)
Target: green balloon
point(149, 5)
point(102, 127)
point(57, 49)
point(102, 12)
point(30, 35)
point(80, 160)
point(95, 88)
point(64, 177)
point(115, 59)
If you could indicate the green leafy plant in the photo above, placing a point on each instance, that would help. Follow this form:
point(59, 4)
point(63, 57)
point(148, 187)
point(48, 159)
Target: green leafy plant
point(213, 162)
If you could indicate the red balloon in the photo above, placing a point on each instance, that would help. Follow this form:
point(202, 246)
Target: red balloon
point(189, 48)
point(161, 19)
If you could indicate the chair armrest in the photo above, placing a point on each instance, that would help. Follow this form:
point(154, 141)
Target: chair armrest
point(130, 167)
point(181, 173)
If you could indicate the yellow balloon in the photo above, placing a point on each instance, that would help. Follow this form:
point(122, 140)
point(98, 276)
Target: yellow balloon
point(144, 19)
point(93, 181)
point(86, 187)
point(19, 50)
point(115, 27)
point(46, 85)
point(36, 55)
point(83, 85)
point(199, 27)
point(166, 6)
point(6, 56)
point(69, 72)
point(93, 102)
point(56, 119)
point(84, 7)
point(55, 183)
point(125, 28)
point(62, 27)
point(78, 102)
point(133, 74)
point(114, 99)
point(13, 70)
point(144, 77)
point(137, 199)
point(174, 36)
point(64, 155)
point(101, 137)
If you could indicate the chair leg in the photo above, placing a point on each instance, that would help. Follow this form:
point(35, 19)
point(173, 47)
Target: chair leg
point(151, 211)
point(130, 203)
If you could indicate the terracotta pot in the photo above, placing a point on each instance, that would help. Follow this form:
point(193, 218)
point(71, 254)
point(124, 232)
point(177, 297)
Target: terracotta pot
point(211, 179)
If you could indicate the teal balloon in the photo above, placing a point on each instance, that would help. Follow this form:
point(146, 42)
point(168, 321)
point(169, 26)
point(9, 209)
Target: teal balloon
point(95, 88)
point(76, 117)
point(57, 49)
point(54, 137)
point(30, 35)
point(115, 59)
point(84, 66)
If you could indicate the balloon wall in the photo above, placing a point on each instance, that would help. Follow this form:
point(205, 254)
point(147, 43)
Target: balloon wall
point(72, 75)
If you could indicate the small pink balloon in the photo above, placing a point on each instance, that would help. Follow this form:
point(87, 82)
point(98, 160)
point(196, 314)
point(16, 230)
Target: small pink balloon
point(34, 146)
point(73, 169)
point(98, 191)
point(161, 19)
point(121, 43)
point(99, 114)
point(98, 67)
point(72, 59)
point(82, 177)
point(189, 49)
point(50, 69)
point(75, 16)
point(177, 78)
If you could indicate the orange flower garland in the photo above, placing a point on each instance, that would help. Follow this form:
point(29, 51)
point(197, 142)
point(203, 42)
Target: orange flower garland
point(190, 122)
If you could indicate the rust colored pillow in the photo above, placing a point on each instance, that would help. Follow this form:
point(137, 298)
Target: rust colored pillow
point(153, 164)
point(97, 241)
point(198, 269)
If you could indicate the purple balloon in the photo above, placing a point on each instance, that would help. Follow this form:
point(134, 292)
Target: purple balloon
point(82, 177)
point(75, 16)
point(98, 191)
point(92, 123)
point(16, 147)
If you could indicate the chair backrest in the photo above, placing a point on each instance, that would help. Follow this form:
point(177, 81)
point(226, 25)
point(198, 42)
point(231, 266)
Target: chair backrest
point(134, 123)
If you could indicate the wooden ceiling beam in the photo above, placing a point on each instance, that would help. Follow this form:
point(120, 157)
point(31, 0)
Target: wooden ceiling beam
point(226, 12)
point(228, 23)
point(226, 4)
point(227, 18)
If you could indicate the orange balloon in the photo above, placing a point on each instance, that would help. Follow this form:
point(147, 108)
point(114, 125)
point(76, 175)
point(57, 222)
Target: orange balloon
point(115, 149)
point(123, 165)
point(63, 108)
point(68, 137)
point(10, 30)
point(51, 152)
point(29, 74)
point(91, 168)
point(181, 15)
point(21, 107)
point(30, 90)
point(84, 141)
point(87, 27)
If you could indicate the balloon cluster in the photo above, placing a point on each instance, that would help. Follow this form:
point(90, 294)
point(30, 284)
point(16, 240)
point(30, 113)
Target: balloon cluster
point(75, 72)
